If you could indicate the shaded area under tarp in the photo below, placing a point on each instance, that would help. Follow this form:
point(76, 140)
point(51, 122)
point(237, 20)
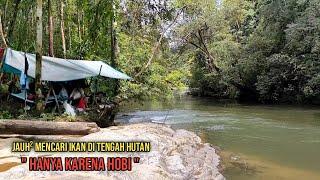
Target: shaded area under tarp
point(57, 69)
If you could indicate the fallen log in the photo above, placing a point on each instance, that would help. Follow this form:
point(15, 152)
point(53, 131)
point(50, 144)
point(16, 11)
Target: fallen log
point(28, 137)
point(47, 128)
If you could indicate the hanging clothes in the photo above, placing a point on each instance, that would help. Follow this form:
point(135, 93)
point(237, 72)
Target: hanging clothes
point(24, 83)
point(63, 94)
point(82, 104)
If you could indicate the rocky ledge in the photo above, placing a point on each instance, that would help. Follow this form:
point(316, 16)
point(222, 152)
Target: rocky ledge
point(174, 154)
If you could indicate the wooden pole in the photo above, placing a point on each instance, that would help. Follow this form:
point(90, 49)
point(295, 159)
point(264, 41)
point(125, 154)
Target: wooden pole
point(96, 88)
point(25, 82)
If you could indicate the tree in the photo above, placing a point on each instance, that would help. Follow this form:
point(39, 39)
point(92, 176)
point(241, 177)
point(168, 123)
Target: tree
point(13, 19)
point(4, 41)
point(62, 28)
point(38, 85)
point(199, 31)
point(114, 45)
point(50, 25)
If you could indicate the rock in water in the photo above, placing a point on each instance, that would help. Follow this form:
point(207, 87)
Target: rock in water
point(176, 154)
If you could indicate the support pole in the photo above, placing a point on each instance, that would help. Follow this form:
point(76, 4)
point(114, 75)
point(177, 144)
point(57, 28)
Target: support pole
point(25, 82)
point(96, 87)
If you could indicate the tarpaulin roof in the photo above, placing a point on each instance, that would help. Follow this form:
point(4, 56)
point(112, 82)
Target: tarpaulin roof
point(57, 69)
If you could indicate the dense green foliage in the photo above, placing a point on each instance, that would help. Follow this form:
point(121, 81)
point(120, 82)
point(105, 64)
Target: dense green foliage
point(266, 51)
point(261, 50)
point(87, 32)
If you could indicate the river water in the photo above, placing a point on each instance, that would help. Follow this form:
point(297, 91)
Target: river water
point(255, 141)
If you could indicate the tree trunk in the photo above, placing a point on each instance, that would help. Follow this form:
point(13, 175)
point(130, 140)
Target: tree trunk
point(39, 96)
point(3, 36)
point(113, 41)
point(5, 14)
point(79, 25)
point(62, 29)
point(33, 127)
point(70, 37)
point(2, 33)
point(50, 24)
point(83, 25)
point(157, 45)
point(13, 20)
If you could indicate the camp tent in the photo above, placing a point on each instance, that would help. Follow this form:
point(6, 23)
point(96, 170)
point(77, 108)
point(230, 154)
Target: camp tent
point(57, 69)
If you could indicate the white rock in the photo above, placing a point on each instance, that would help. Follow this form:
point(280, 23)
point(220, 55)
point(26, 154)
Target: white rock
point(174, 155)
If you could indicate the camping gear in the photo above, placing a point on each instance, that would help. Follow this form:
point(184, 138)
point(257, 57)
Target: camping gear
point(77, 93)
point(52, 98)
point(24, 81)
point(69, 109)
point(63, 94)
point(57, 69)
point(23, 96)
point(82, 104)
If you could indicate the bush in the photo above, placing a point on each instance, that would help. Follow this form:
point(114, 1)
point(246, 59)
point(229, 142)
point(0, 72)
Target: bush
point(280, 81)
point(312, 89)
point(5, 115)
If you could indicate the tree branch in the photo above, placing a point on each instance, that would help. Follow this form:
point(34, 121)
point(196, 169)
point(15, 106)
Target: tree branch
point(156, 47)
point(211, 63)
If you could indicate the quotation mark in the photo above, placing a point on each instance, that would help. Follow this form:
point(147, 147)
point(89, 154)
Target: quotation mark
point(136, 159)
point(23, 159)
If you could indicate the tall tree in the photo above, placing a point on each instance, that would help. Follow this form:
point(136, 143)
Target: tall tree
point(50, 25)
point(39, 56)
point(200, 31)
point(62, 28)
point(113, 46)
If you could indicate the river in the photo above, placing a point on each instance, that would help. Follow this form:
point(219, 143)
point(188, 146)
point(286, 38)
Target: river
point(256, 141)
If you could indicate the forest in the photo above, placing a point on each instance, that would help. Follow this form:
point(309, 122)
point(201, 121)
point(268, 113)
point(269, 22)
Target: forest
point(264, 51)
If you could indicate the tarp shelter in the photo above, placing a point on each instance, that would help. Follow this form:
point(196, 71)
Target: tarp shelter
point(57, 69)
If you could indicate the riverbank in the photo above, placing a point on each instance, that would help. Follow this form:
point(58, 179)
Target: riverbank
point(175, 154)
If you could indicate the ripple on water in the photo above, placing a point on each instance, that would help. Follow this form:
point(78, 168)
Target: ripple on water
point(311, 141)
point(214, 128)
point(287, 136)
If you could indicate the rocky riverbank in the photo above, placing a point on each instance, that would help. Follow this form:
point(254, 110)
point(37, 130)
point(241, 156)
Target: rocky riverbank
point(174, 154)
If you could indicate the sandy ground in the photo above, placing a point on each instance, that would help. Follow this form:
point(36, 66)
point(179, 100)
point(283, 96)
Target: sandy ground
point(174, 154)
